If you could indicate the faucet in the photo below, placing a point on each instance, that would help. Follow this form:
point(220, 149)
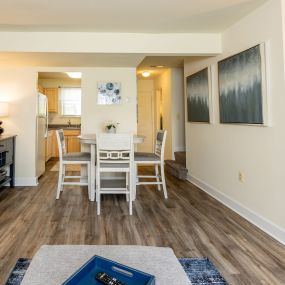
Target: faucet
point(69, 123)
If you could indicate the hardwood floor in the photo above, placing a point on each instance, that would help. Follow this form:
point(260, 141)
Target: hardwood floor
point(190, 222)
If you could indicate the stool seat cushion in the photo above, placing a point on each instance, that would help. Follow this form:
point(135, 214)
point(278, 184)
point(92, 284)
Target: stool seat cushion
point(146, 156)
point(76, 156)
point(114, 165)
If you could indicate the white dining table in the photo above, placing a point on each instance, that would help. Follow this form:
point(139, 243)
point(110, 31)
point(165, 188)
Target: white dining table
point(90, 139)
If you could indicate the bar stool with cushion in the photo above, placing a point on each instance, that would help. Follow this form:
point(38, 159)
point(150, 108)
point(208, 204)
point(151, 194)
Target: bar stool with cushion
point(115, 154)
point(82, 158)
point(156, 159)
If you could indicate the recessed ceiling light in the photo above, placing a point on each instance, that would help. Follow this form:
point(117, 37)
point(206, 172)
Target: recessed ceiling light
point(158, 66)
point(145, 74)
point(74, 74)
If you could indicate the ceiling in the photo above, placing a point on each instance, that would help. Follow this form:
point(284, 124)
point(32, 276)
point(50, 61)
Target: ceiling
point(166, 61)
point(55, 75)
point(148, 16)
point(150, 62)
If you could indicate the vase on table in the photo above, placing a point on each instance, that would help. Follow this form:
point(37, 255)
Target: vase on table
point(111, 130)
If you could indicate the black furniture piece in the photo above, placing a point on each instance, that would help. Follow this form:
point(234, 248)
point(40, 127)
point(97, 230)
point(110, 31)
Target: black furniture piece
point(7, 160)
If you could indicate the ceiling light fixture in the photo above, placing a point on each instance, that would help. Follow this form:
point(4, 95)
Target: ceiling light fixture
point(76, 75)
point(145, 73)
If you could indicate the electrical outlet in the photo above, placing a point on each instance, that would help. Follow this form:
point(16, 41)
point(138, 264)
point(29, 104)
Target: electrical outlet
point(241, 177)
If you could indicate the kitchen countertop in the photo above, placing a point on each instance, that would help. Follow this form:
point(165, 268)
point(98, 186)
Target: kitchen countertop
point(65, 127)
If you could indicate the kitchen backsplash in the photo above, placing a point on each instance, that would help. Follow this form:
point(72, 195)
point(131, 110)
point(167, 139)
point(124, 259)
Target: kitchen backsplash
point(56, 119)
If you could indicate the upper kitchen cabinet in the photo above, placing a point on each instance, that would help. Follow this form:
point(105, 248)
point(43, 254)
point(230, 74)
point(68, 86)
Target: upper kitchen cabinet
point(41, 89)
point(52, 95)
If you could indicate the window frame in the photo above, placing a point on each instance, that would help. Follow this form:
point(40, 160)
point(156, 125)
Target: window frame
point(60, 102)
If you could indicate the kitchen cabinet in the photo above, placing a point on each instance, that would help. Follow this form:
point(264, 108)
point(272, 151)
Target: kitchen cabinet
point(41, 89)
point(49, 144)
point(54, 148)
point(72, 142)
point(52, 95)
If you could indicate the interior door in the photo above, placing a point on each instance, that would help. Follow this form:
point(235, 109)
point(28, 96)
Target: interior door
point(145, 120)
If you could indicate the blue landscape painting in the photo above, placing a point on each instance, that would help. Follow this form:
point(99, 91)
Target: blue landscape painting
point(240, 88)
point(197, 89)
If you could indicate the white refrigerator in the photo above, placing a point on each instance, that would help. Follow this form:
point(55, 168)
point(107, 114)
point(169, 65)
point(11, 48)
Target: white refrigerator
point(42, 131)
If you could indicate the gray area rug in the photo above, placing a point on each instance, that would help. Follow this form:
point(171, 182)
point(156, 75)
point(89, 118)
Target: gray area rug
point(199, 270)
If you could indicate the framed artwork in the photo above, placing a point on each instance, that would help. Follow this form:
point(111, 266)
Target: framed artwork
point(109, 93)
point(242, 87)
point(198, 96)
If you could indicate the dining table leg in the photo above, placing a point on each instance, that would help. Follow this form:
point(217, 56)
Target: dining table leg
point(93, 171)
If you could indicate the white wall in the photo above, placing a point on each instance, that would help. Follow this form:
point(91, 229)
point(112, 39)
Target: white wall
point(178, 113)
point(171, 84)
point(19, 88)
point(93, 115)
point(216, 153)
point(163, 82)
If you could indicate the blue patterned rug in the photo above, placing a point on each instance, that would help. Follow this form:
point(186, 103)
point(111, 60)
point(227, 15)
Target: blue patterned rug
point(199, 270)
point(18, 271)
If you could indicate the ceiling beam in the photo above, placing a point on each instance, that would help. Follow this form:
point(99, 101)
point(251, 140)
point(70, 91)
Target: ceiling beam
point(78, 42)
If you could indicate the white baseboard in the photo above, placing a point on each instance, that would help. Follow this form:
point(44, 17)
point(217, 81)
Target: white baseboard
point(26, 181)
point(264, 224)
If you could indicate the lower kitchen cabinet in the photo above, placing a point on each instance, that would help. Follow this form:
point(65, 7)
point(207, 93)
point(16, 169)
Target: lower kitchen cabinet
point(49, 144)
point(72, 142)
point(54, 145)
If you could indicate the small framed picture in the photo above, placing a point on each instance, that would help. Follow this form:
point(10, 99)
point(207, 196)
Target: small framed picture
point(109, 93)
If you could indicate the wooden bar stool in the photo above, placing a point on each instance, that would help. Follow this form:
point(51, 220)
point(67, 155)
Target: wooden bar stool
point(157, 160)
point(115, 153)
point(82, 158)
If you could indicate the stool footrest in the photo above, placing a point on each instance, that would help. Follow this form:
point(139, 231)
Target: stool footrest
point(149, 183)
point(148, 176)
point(72, 177)
point(75, 183)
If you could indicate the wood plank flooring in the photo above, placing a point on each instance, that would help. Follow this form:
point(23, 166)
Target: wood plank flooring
point(190, 222)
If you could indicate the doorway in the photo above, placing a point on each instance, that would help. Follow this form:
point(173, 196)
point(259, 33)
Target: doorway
point(61, 92)
point(161, 106)
point(146, 122)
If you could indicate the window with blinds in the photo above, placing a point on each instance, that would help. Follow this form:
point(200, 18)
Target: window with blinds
point(70, 101)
